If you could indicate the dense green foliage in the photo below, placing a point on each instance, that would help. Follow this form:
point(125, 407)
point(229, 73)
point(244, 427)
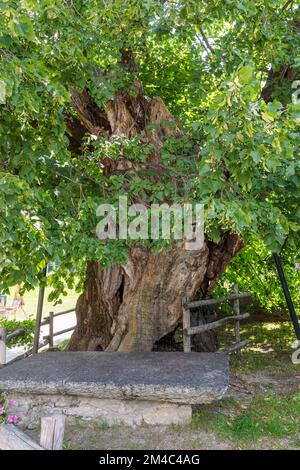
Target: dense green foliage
point(254, 271)
point(209, 62)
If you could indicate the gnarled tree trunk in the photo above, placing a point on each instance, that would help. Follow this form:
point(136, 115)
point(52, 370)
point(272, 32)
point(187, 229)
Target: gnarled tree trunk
point(131, 307)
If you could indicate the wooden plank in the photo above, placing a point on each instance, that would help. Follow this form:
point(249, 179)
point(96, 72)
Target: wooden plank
point(57, 333)
point(236, 309)
point(51, 329)
point(2, 346)
point(237, 346)
point(15, 334)
point(64, 312)
point(201, 303)
point(216, 324)
point(52, 432)
point(186, 323)
point(12, 438)
point(45, 321)
point(39, 313)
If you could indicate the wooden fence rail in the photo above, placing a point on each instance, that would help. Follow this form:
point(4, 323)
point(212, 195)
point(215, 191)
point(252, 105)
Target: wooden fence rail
point(189, 331)
point(205, 302)
point(50, 321)
point(4, 339)
point(48, 340)
point(211, 326)
point(15, 334)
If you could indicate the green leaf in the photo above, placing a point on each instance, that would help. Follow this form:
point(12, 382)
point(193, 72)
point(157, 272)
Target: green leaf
point(245, 74)
point(2, 92)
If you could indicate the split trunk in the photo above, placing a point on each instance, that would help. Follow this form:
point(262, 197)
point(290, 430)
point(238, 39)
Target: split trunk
point(134, 307)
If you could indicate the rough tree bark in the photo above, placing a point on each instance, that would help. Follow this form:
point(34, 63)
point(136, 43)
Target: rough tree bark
point(131, 307)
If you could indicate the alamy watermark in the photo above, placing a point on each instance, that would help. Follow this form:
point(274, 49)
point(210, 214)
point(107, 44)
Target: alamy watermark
point(157, 222)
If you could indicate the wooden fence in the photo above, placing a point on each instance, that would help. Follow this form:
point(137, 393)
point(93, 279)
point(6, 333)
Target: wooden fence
point(51, 437)
point(50, 321)
point(48, 340)
point(189, 331)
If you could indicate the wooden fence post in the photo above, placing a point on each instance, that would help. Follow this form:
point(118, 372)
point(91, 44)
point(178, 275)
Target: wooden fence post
point(51, 329)
point(39, 313)
point(2, 346)
point(236, 308)
point(52, 432)
point(186, 323)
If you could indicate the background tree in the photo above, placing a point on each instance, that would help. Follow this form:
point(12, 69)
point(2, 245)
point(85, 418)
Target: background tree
point(162, 101)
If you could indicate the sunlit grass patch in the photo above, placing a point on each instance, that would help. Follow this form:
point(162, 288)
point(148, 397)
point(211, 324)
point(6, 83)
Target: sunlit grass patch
point(270, 347)
point(263, 417)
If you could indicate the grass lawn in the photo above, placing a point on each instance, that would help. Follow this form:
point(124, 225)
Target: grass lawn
point(264, 411)
point(268, 420)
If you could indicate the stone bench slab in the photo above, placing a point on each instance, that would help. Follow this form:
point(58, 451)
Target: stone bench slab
point(173, 377)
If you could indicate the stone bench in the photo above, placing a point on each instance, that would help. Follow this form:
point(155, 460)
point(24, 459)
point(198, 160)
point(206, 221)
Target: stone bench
point(129, 388)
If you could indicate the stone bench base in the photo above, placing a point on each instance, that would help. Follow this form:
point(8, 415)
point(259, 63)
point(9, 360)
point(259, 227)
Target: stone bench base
point(129, 388)
point(109, 411)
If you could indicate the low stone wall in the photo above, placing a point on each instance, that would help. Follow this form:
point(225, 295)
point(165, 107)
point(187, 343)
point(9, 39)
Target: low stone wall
point(111, 411)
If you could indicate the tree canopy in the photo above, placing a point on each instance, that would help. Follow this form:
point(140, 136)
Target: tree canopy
point(226, 70)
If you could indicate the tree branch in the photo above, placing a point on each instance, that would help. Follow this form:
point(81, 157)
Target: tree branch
point(287, 4)
point(205, 40)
